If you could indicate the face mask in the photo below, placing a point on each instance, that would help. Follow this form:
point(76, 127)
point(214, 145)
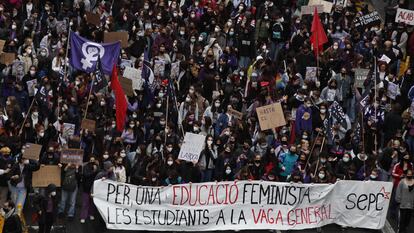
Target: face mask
point(266, 17)
point(231, 33)
point(321, 175)
point(169, 162)
point(373, 177)
point(41, 134)
point(122, 155)
point(32, 73)
point(308, 105)
point(105, 156)
point(216, 105)
point(146, 7)
point(113, 126)
point(345, 159)
point(191, 91)
point(159, 17)
point(200, 38)
point(335, 47)
point(323, 160)
point(53, 193)
point(227, 133)
point(323, 110)
point(158, 105)
point(409, 177)
point(13, 26)
point(188, 99)
point(192, 40)
point(182, 33)
point(102, 103)
point(196, 129)
point(153, 179)
point(216, 29)
point(169, 149)
point(228, 171)
point(131, 125)
point(209, 142)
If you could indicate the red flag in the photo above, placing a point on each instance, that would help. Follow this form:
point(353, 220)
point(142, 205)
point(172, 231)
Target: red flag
point(120, 100)
point(318, 38)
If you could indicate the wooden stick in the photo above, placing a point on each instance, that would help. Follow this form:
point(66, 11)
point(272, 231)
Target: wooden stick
point(311, 151)
point(166, 118)
point(317, 163)
point(89, 96)
point(27, 114)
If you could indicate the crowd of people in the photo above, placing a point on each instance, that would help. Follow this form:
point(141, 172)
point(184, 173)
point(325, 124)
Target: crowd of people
point(232, 55)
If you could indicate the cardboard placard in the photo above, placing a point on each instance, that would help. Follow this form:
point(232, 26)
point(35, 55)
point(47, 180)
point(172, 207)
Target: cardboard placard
point(360, 77)
point(235, 113)
point(32, 151)
point(327, 6)
point(88, 124)
point(74, 156)
point(308, 10)
point(7, 58)
point(271, 116)
point(192, 146)
point(126, 84)
point(61, 27)
point(134, 75)
point(31, 87)
point(18, 69)
point(404, 16)
point(2, 43)
point(117, 36)
point(68, 130)
point(49, 174)
point(94, 19)
point(367, 21)
point(393, 90)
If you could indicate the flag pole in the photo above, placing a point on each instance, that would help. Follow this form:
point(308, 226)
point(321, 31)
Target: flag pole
point(64, 72)
point(27, 114)
point(375, 106)
point(89, 96)
point(166, 115)
point(317, 50)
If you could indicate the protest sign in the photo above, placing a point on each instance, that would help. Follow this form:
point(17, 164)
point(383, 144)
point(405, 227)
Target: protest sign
point(117, 36)
point(360, 77)
point(367, 21)
point(327, 6)
point(18, 69)
point(134, 75)
point(385, 59)
point(242, 205)
point(404, 16)
point(68, 130)
point(393, 90)
point(126, 84)
point(2, 43)
point(126, 63)
point(94, 19)
point(159, 68)
point(271, 116)
point(175, 69)
point(311, 73)
point(49, 174)
point(32, 151)
point(7, 58)
point(61, 27)
point(235, 113)
point(308, 10)
point(31, 86)
point(74, 156)
point(88, 124)
point(192, 146)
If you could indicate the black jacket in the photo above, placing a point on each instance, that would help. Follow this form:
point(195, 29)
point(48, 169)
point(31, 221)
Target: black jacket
point(26, 173)
point(12, 224)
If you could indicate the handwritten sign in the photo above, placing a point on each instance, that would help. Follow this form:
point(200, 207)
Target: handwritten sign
point(360, 77)
point(18, 69)
point(7, 58)
point(2, 43)
point(134, 75)
point(393, 90)
point(49, 174)
point(74, 156)
point(126, 84)
point(271, 116)
point(32, 151)
point(327, 6)
point(94, 19)
point(368, 20)
point(117, 36)
point(68, 130)
point(404, 16)
point(235, 113)
point(311, 73)
point(88, 124)
point(308, 10)
point(192, 146)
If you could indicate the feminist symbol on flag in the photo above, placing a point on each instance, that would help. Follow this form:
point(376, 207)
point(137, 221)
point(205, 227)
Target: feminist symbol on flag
point(91, 51)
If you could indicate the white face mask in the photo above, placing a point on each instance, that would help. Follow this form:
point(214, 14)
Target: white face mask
point(158, 105)
point(41, 134)
point(228, 171)
point(169, 162)
point(321, 175)
point(132, 125)
point(153, 179)
point(13, 26)
point(32, 72)
point(8, 102)
point(53, 193)
point(209, 142)
point(122, 155)
point(345, 159)
point(188, 99)
point(102, 103)
point(105, 156)
point(323, 110)
point(169, 149)
point(113, 126)
point(216, 105)
point(196, 128)
point(159, 17)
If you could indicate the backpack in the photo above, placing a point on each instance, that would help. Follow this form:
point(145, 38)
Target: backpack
point(69, 181)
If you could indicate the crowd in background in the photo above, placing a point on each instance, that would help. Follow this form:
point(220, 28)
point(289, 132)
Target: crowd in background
point(232, 55)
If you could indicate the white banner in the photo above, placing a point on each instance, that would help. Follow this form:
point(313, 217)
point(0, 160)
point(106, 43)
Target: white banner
point(242, 205)
point(404, 16)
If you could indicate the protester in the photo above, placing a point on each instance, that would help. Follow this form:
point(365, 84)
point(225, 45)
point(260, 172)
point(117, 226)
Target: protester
point(202, 69)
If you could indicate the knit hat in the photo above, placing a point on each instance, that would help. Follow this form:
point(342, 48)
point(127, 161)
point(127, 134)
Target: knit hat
point(108, 165)
point(51, 188)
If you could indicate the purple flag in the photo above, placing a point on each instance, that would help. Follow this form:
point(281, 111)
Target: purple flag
point(84, 54)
